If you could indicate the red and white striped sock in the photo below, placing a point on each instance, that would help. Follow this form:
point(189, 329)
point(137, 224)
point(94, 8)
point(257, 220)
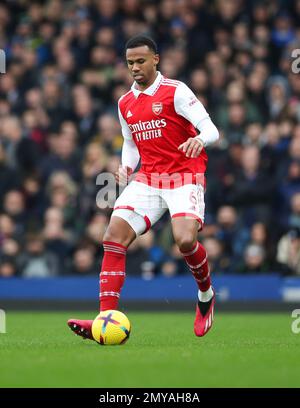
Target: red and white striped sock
point(112, 275)
point(196, 259)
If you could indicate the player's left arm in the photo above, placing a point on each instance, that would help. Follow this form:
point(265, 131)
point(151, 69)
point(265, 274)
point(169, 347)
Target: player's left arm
point(187, 105)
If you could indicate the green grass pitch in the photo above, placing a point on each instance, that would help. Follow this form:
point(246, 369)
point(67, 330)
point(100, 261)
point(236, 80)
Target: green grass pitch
point(241, 350)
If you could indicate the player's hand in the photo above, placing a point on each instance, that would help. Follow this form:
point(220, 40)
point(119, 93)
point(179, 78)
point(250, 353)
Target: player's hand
point(123, 174)
point(192, 147)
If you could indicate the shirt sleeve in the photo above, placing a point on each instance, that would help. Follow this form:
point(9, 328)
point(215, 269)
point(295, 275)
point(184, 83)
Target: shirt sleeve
point(130, 154)
point(208, 132)
point(187, 105)
point(126, 132)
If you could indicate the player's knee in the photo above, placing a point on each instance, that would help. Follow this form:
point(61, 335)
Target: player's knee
point(186, 242)
point(113, 235)
point(117, 235)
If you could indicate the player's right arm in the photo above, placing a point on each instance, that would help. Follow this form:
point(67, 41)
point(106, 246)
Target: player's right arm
point(130, 153)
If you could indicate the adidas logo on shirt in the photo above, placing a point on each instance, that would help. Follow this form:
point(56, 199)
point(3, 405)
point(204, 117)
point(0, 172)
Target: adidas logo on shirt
point(129, 114)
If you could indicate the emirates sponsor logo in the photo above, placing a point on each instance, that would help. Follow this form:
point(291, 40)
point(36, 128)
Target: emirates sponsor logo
point(147, 130)
point(148, 125)
point(157, 107)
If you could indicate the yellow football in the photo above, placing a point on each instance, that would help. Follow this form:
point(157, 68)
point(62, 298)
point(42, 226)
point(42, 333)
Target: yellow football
point(111, 327)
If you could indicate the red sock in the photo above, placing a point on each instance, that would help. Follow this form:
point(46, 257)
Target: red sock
point(196, 259)
point(112, 275)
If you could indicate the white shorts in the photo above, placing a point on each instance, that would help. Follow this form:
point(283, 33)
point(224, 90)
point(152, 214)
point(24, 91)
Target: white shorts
point(142, 205)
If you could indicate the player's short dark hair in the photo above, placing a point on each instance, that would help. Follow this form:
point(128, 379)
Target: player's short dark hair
point(140, 40)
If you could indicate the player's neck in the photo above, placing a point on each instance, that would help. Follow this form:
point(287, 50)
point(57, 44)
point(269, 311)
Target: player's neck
point(142, 87)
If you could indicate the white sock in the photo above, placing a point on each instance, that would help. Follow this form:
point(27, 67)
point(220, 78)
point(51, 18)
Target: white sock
point(205, 296)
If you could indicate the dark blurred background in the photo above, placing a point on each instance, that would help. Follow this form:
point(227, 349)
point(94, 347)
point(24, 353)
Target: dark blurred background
point(59, 129)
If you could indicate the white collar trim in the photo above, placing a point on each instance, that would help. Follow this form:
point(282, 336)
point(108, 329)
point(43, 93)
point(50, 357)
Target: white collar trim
point(151, 89)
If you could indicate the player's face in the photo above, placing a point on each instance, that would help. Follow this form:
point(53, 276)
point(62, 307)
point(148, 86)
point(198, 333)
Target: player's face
point(142, 62)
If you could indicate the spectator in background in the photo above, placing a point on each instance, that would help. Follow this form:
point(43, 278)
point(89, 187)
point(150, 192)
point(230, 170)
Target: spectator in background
point(231, 233)
point(219, 261)
point(14, 206)
point(84, 263)
point(8, 267)
point(85, 117)
point(7, 227)
point(9, 88)
point(33, 127)
point(278, 93)
point(61, 192)
point(253, 135)
point(94, 162)
point(294, 216)
point(288, 251)
point(22, 153)
point(255, 84)
point(52, 102)
point(96, 228)
point(254, 260)
point(58, 239)
point(109, 134)
point(286, 170)
point(260, 235)
point(8, 176)
point(283, 32)
point(63, 153)
point(138, 261)
point(174, 265)
point(154, 252)
point(9, 237)
point(236, 112)
point(252, 191)
point(36, 261)
point(287, 189)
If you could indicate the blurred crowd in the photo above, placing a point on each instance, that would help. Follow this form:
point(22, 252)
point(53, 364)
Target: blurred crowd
point(59, 129)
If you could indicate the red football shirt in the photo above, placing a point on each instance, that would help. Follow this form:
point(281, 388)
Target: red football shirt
point(160, 119)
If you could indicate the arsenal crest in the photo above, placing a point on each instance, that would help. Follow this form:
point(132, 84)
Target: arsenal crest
point(157, 107)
